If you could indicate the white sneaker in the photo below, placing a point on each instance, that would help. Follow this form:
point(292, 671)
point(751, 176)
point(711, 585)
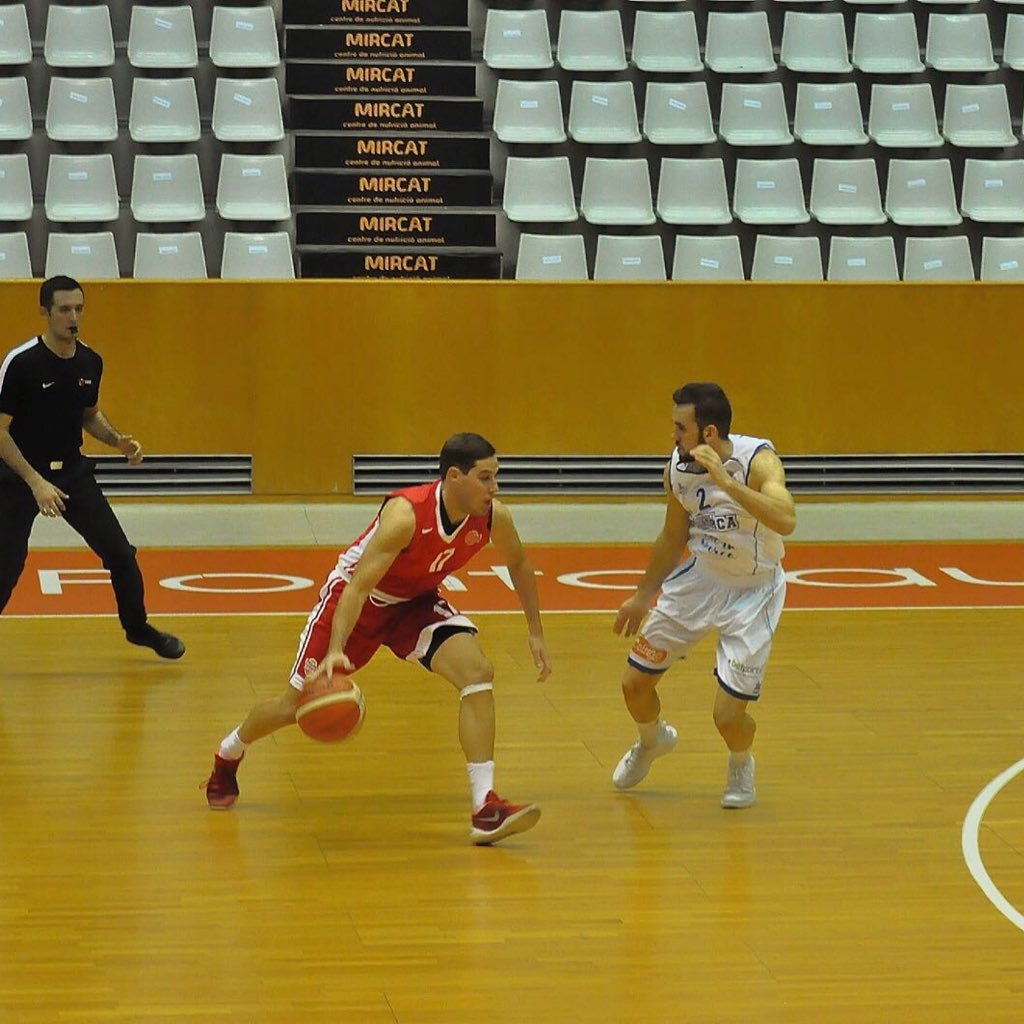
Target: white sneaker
point(739, 788)
point(637, 761)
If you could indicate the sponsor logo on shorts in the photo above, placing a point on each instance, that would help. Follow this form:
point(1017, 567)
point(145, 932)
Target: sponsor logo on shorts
point(749, 674)
point(646, 652)
point(310, 666)
point(742, 669)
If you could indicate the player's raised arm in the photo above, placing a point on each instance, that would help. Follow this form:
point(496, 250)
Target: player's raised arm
point(395, 531)
point(505, 539)
point(768, 479)
point(765, 497)
point(665, 554)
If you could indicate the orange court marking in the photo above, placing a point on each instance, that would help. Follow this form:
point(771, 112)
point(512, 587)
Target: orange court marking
point(583, 577)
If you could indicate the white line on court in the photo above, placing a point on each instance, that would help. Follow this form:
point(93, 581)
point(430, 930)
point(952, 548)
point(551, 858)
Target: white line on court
point(969, 844)
point(516, 611)
point(605, 613)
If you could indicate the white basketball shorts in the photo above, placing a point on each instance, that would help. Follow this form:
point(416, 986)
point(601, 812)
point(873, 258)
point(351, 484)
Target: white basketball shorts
point(693, 602)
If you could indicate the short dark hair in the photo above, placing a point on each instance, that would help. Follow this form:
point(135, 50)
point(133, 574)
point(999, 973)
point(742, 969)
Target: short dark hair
point(52, 285)
point(710, 405)
point(464, 451)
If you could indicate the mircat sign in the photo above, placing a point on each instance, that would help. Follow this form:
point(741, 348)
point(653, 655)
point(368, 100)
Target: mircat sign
point(356, 42)
point(401, 264)
point(355, 151)
point(376, 12)
point(397, 227)
point(384, 78)
point(396, 114)
point(358, 188)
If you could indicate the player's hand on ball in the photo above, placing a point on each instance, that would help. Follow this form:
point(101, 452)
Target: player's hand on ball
point(332, 663)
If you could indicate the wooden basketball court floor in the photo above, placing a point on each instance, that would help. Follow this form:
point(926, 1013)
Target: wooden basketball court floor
point(341, 888)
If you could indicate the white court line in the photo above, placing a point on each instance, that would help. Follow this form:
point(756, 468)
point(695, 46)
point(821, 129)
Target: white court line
point(969, 844)
point(516, 611)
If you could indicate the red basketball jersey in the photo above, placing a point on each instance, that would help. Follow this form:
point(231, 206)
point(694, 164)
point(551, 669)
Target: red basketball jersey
point(431, 554)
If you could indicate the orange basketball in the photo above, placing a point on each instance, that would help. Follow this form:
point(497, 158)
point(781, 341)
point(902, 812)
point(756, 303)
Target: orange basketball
point(331, 709)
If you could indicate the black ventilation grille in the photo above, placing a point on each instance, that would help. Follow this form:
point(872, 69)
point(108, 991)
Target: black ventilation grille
point(176, 474)
point(959, 473)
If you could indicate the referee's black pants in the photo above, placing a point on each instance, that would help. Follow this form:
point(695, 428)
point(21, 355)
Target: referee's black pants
point(86, 511)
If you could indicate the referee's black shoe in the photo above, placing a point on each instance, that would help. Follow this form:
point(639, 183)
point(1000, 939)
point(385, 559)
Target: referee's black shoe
point(166, 645)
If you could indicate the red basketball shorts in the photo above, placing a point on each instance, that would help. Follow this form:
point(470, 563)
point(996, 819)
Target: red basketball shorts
point(406, 628)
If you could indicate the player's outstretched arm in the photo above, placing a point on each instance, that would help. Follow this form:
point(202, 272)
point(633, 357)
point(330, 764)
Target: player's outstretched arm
point(397, 523)
point(505, 539)
point(665, 554)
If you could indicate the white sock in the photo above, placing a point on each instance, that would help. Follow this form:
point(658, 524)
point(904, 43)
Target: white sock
point(481, 781)
point(738, 759)
point(649, 732)
point(231, 747)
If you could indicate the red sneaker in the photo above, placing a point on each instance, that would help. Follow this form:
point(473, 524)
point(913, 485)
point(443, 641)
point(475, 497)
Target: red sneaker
point(498, 819)
point(222, 786)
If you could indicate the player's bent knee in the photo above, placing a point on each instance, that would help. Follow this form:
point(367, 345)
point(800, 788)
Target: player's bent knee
point(476, 677)
point(123, 560)
point(478, 672)
point(640, 684)
point(473, 688)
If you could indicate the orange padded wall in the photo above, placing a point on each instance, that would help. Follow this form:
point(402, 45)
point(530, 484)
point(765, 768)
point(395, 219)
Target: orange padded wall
point(303, 374)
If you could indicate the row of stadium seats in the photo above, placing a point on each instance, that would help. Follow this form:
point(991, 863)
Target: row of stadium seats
point(80, 111)
point(878, 81)
point(158, 37)
point(162, 110)
point(719, 258)
point(753, 114)
point(741, 43)
point(165, 188)
point(91, 256)
point(918, 192)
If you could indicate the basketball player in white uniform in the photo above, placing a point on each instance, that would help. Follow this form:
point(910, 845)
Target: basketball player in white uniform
point(728, 504)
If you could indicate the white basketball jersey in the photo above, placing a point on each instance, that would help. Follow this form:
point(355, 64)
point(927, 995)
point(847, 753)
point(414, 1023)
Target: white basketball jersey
point(724, 536)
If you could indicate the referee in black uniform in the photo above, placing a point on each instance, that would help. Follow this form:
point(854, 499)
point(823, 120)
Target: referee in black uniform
point(49, 392)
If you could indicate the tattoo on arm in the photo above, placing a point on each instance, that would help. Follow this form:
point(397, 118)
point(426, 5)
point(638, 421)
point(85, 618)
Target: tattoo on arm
point(99, 426)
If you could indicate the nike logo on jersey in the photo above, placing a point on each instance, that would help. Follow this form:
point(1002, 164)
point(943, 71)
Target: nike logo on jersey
point(50, 385)
point(428, 529)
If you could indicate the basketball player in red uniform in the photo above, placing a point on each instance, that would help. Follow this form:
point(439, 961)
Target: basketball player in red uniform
point(384, 591)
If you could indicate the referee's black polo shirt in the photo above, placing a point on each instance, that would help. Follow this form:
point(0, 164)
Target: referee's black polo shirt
point(47, 396)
